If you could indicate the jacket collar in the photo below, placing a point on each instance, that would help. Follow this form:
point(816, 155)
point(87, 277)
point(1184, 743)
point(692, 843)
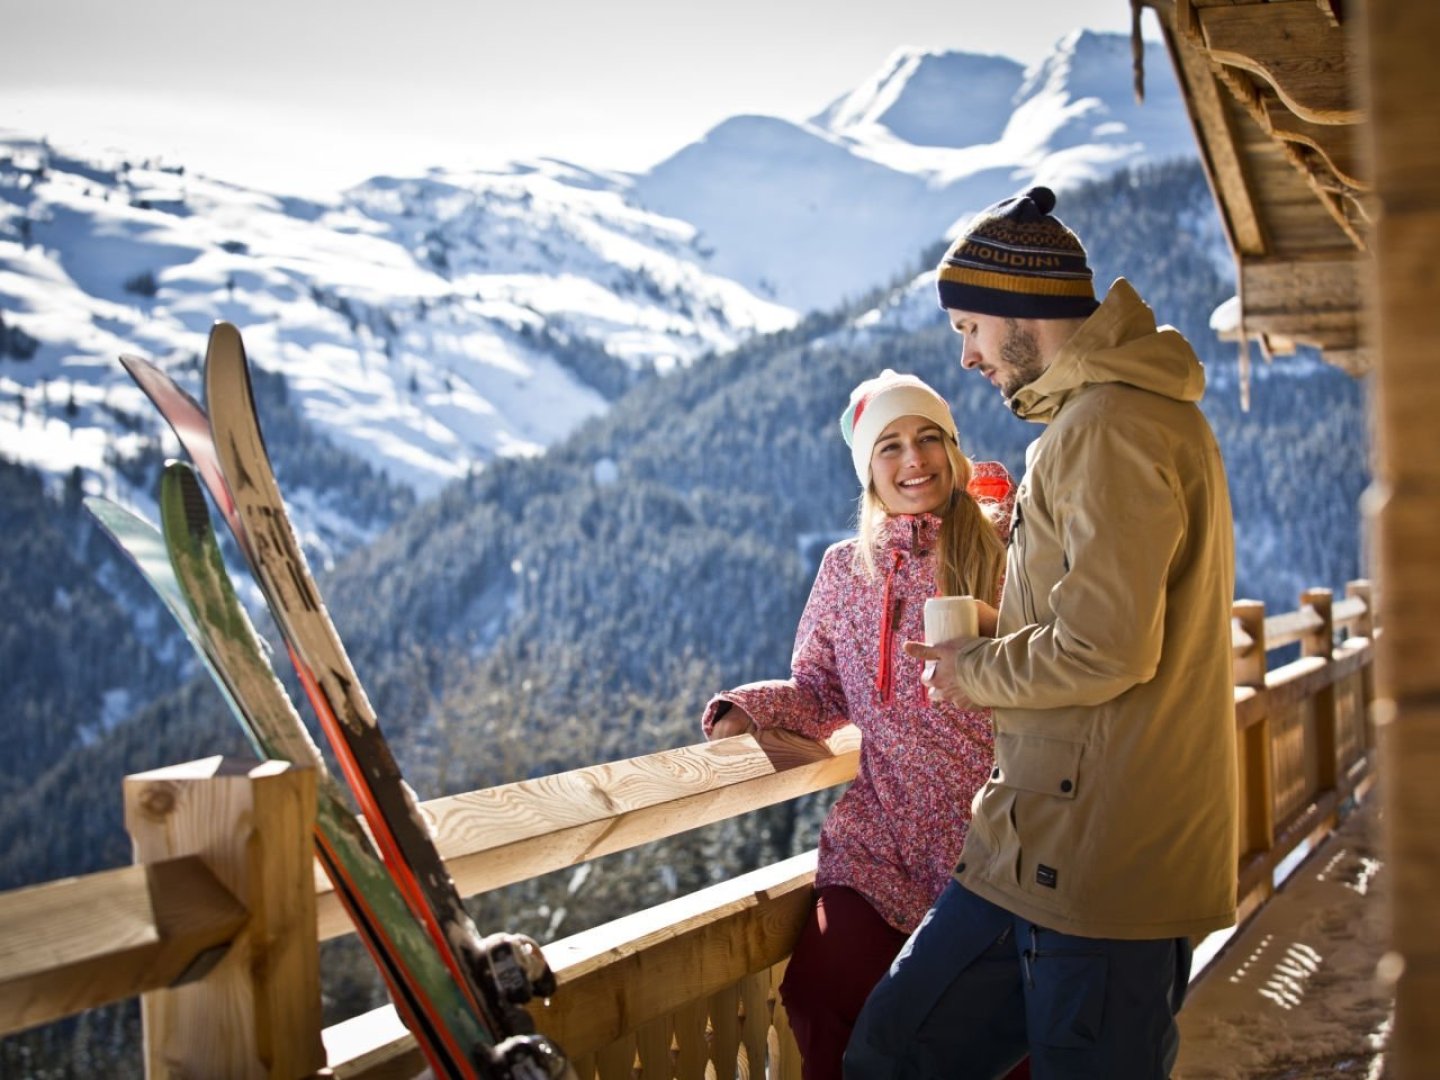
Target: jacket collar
point(911, 534)
point(1120, 343)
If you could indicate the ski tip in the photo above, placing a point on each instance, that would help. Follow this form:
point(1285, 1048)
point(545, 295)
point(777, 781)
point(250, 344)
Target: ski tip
point(225, 335)
point(180, 476)
point(132, 362)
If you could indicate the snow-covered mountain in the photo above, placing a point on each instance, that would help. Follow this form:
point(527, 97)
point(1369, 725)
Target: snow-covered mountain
point(425, 324)
point(834, 206)
point(428, 324)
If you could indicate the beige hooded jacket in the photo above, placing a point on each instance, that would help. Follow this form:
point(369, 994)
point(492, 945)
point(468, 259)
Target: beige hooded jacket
point(1111, 811)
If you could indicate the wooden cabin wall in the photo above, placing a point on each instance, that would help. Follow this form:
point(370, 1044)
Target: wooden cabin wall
point(1401, 80)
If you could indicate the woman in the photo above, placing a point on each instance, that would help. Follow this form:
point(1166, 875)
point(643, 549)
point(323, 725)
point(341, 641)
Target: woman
point(925, 528)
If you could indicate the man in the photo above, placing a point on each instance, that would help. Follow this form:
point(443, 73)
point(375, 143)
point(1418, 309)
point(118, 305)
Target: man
point(1106, 837)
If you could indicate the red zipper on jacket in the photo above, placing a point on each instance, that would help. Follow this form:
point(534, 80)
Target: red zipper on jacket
point(884, 676)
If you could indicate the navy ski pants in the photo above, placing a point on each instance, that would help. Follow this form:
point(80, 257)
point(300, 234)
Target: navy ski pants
point(976, 988)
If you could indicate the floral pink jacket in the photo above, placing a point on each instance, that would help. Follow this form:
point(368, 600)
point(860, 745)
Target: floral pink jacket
point(895, 834)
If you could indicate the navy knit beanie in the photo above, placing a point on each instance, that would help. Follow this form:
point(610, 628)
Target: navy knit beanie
point(1015, 260)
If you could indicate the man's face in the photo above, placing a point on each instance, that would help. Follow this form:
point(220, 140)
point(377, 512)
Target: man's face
point(1002, 349)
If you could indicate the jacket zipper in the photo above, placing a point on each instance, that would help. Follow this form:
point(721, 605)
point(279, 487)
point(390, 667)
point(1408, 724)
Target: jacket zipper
point(1017, 537)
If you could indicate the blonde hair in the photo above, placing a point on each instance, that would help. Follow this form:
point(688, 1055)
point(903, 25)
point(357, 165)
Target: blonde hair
point(969, 557)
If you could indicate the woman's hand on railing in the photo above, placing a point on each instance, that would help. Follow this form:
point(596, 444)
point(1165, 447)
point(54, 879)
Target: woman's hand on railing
point(736, 721)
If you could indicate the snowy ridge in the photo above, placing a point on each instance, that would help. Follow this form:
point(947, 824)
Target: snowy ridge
point(428, 324)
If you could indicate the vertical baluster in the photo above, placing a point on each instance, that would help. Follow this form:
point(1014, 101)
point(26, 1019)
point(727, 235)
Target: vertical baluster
point(755, 1024)
point(691, 1053)
point(1322, 644)
point(725, 1032)
point(653, 1041)
point(617, 1061)
point(785, 1058)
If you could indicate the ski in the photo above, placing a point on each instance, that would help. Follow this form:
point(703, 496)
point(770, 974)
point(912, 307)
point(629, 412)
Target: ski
point(497, 974)
point(217, 627)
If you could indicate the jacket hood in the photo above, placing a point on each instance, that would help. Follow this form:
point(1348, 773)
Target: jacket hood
point(1120, 343)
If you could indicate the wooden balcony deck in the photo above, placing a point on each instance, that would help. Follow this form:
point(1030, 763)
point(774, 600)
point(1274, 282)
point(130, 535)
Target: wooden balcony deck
point(1297, 992)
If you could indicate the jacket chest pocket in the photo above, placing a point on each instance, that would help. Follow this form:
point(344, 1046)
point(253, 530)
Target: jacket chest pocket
point(1039, 764)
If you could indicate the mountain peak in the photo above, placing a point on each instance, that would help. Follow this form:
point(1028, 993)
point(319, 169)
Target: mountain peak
point(929, 98)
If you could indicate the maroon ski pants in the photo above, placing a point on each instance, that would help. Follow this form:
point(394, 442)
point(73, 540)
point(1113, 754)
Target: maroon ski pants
point(842, 952)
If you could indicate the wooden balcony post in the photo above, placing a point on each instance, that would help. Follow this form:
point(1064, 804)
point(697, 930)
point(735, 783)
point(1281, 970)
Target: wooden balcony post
point(1321, 640)
point(1250, 667)
point(252, 1010)
point(1257, 769)
point(1362, 590)
point(1321, 643)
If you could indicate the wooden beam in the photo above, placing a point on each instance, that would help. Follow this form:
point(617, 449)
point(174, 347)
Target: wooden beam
point(75, 944)
point(1293, 47)
point(1214, 132)
point(1321, 282)
point(1335, 332)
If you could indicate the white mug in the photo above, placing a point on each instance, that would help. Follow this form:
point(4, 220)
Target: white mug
point(951, 617)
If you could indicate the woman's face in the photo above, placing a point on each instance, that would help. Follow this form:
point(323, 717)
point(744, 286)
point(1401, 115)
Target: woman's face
point(909, 467)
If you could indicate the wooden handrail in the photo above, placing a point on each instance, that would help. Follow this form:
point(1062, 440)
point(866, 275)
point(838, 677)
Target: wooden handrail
point(75, 944)
point(1349, 611)
point(1292, 626)
point(502, 835)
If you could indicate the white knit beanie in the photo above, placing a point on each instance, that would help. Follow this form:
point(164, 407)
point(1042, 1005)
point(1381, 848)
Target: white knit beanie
point(877, 403)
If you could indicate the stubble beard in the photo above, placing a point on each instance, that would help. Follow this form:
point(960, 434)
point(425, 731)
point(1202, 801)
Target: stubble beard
point(1020, 353)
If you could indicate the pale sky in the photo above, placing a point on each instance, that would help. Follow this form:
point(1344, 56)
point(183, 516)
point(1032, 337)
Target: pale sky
point(310, 96)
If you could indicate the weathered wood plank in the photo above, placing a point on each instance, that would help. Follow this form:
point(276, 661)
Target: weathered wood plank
point(75, 944)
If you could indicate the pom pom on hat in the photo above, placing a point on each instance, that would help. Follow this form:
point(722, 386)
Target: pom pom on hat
point(877, 403)
point(1014, 259)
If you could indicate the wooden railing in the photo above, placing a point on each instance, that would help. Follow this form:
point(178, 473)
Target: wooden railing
point(221, 919)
